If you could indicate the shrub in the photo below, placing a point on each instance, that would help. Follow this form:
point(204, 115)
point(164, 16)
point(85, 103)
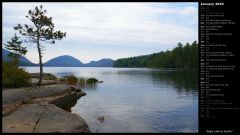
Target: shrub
point(49, 76)
point(14, 77)
point(62, 80)
point(34, 75)
point(92, 80)
point(71, 79)
point(29, 100)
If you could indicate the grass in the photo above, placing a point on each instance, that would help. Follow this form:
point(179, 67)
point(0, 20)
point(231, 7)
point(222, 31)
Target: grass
point(49, 76)
point(82, 82)
point(71, 79)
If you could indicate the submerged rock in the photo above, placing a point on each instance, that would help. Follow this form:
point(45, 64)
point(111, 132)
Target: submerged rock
point(80, 94)
point(100, 119)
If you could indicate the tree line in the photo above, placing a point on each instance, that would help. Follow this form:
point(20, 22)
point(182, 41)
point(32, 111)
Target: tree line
point(182, 56)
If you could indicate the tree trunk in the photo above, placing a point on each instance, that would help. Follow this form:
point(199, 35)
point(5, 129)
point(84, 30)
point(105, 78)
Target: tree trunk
point(40, 64)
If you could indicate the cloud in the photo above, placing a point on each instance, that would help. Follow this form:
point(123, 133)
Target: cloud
point(112, 26)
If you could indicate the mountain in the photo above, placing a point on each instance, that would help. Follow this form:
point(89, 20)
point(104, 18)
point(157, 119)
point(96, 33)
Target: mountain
point(64, 61)
point(100, 63)
point(23, 60)
point(61, 61)
point(69, 61)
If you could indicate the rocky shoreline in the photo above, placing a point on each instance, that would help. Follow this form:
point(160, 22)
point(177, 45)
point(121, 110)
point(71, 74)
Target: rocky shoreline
point(42, 110)
point(39, 118)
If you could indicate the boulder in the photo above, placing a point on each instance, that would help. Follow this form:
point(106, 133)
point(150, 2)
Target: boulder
point(80, 94)
point(42, 114)
point(43, 119)
point(75, 89)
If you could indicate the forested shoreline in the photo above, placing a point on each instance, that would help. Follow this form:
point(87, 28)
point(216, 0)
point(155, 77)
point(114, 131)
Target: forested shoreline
point(182, 56)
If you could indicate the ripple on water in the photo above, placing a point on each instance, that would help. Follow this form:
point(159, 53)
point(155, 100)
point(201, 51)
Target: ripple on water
point(137, 100)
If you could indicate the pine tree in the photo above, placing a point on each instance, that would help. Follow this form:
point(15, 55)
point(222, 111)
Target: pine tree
point(179, 57)
point(42, 31)
point(15, 45)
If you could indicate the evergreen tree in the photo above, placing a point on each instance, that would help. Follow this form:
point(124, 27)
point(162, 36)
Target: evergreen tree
point(179, 57)
point(41, 31)
point(15, 45)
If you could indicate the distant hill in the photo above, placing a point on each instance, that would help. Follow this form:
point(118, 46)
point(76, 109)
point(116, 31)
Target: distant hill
point(64, 61)
point(61, 61)
point(100, 63)
point(69, 61)
point(23, 60)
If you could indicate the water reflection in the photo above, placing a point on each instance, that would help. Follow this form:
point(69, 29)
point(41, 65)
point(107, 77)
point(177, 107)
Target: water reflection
point(137, 100)
point(87, 83)
point(92, 86)
point(183, 81)
point(86, 86)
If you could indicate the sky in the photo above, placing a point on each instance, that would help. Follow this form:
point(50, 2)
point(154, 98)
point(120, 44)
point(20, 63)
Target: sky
point(108, 30)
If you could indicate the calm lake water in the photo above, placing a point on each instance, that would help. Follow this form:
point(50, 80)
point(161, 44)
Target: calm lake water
point(136, 99)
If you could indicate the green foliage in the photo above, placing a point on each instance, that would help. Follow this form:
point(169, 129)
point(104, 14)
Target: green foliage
point(29, 100)
point(91, 83)
point(16, 46)
point(91, 80)
point(71, 80)
point(14, 77)
point(49, 76)
point(42, 28)
point(180, 57)
point(87, 83)
point(40, 31)
point(62, 80)
point(82, 82)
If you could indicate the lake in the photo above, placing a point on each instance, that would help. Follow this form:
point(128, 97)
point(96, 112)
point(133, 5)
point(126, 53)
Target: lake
point(136, 99)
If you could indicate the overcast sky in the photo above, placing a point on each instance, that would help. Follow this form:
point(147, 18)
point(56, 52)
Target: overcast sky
point(109, 30)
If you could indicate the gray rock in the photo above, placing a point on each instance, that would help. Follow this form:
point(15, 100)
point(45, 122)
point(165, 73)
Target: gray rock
point(44, 119)
point(80, 94)
point(19, 94)
point(100, 119)
point(100, 81)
